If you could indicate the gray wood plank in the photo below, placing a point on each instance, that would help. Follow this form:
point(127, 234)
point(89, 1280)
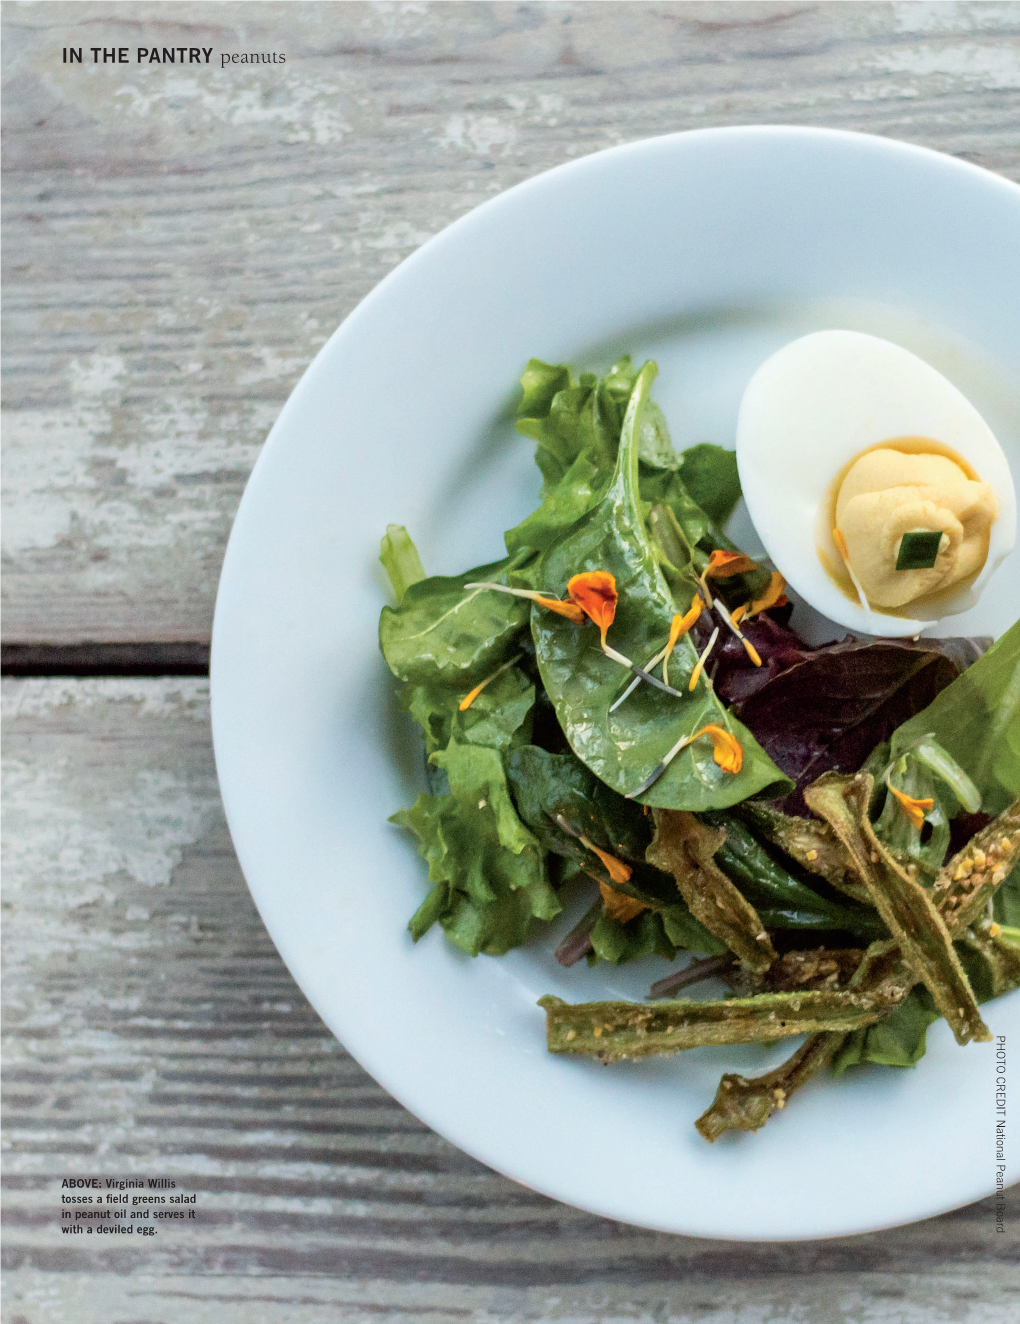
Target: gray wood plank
point(152, 1029)
point(180, 242)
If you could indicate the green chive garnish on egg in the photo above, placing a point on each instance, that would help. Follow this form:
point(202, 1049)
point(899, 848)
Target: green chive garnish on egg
point(918, 550)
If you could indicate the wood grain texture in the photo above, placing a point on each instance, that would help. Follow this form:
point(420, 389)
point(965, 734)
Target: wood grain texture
point(152, 1029)
point(180, 240)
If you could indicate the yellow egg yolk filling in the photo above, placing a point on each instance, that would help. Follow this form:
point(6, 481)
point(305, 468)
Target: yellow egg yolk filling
point(887, 493)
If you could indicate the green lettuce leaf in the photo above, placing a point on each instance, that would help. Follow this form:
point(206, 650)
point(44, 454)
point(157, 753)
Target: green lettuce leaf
point(487, 870)
point(576, 431)
point(1006, 902)
point(897, 1041)
point(976, 719)
point(623, 747)
point(645, 935)
point(709, 473)
point(554, 788)
point(540, 384)
point(500, 717)
point(442, 632)
point(400, 559)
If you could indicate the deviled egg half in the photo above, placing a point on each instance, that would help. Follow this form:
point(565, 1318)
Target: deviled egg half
point(876, 487)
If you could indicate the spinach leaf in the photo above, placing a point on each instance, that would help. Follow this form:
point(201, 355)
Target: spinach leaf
point(622, 748)
point(487, 869)
point(654, 447)
point(551, 789)
point(709, 473)
point(896, 1041)
point(686, 539)
point(577, 427)
point(645, 935)
point(977, 720)
point(616, 389)
point(443, 633)
point(765, 882)
point(652, 933)
point(550, 786)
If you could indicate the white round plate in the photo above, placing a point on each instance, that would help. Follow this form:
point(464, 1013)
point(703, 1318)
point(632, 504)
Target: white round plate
point(706, 250)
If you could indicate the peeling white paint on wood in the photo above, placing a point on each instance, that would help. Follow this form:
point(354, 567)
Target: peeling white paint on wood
point(180, 241)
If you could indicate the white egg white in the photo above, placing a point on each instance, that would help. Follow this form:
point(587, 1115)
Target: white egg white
point(807, 413)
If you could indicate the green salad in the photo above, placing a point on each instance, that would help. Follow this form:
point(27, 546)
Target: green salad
point(619, 718)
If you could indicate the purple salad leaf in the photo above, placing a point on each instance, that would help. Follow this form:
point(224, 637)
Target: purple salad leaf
point(733, 674)
point(825, 708)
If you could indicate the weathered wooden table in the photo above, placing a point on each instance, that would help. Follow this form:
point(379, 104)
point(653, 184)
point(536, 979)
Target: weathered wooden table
point(179, 242)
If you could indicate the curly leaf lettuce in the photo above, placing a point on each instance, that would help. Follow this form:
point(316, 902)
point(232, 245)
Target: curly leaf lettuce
point(487, 870)
point(500, 717)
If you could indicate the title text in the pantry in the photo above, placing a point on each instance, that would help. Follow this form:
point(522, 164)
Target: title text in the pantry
point(167, 55)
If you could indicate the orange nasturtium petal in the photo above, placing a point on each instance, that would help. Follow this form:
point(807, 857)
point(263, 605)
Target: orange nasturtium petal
point(678, 628)
point(471, 696)
point(721, 565)
point(595, 593)
point(617, 870)
point(725, 748)
point(619, 906)
point(771, 597)
point(569, 609)
point(915, 810)
point(681, 624)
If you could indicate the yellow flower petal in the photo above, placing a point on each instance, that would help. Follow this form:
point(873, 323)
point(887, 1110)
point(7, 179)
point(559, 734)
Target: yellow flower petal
point(618, 906)
point(569, 609)
point(915, 810)
point(721, 565)
point(617, 870)
point(696, 673)
point(679, 627)
point(771, 597)
point(725, 747)
point(469, 698)
point(472, 695)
